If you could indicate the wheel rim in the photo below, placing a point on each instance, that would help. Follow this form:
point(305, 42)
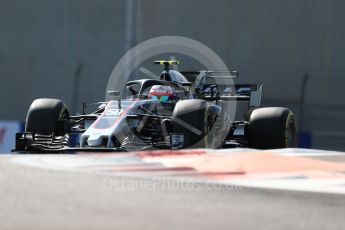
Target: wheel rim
point(290, 135)
point(210, 133)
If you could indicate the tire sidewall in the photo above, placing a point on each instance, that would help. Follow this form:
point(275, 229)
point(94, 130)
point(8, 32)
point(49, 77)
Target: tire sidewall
point(47, 116)
point(269, 127)
point(196, 113)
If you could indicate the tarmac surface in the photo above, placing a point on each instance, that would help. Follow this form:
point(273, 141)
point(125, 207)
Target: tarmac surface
point(40, 198)
point(45, 198)
point(35, 198)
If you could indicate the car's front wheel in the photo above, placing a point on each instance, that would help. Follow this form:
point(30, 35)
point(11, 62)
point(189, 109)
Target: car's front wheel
point(48, 117)
point(195, 120)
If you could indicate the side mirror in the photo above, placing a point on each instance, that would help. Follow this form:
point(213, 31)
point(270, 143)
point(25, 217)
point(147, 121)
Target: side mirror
point(114, 93)
point(132, 89)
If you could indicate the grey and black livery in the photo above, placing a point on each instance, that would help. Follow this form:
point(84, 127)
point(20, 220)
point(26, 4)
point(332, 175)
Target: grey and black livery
point(206, 110)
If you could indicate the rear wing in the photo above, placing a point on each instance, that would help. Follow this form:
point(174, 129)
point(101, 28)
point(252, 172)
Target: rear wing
point(205, 82)
point(251, 92)
point(193, 75)
point(242, 92)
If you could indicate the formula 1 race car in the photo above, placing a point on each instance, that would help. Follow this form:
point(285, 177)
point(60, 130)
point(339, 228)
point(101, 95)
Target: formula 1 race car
point(202, 109)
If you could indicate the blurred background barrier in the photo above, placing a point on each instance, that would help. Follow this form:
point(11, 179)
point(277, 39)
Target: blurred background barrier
point(304, 140)
point(8, 130)
point(67, 49)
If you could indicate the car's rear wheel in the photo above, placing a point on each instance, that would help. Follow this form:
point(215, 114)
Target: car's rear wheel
point(271, 128)
point(48, 117)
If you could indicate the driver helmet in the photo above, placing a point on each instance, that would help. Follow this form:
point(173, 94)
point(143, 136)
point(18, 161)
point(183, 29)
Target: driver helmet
point(162, 93)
